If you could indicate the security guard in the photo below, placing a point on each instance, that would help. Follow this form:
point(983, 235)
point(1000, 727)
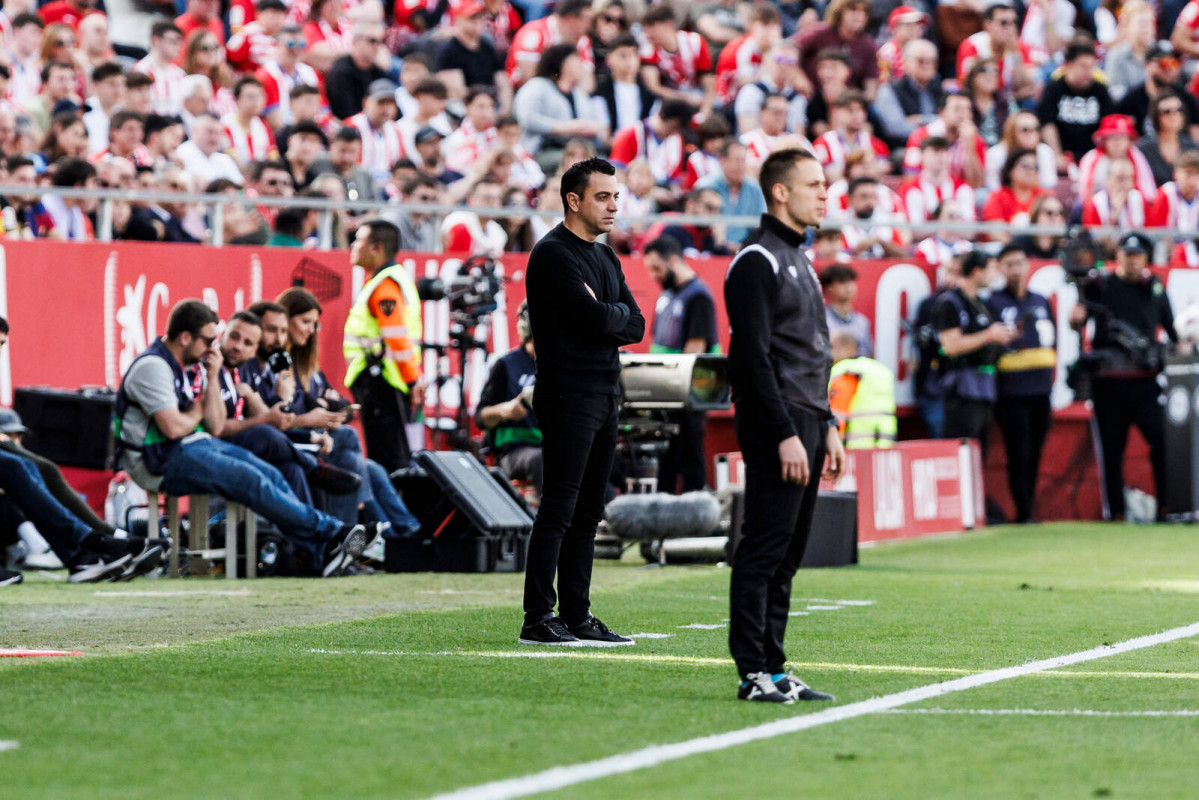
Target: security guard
point(861, 393)
point(1025, 377)
point(684, 322)
point(382, 345)
point(971, 343)
point(1128, 306)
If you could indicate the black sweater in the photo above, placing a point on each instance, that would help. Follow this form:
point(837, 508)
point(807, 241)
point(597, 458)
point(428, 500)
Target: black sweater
point(578, 336)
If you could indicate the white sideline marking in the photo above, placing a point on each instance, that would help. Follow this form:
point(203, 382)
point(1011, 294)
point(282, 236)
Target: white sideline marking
point(1035, 712)
point(178, 593)
point(824, 608)
point(700, 626)
point(9, 744)
point(651, 635)
point(659, 658)
point(798, 614)
point(559, 777)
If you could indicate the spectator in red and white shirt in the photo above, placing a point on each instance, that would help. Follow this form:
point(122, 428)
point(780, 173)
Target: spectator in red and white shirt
point(567, 25)
point(25, 59)
point(466, 232)
point(1118, 202)
point(658, 140)
point(860, 164)
point(68, 12)
point(250, 139)
point(937, 250)
point(382, 142)
point(867, 228)
point(677, 64)
point(955, 123)
point(126, 132)
point(329, 33)
point(431, 97)
point(1177, 207)
point(741, 58)
point(934, 185)
point(771, 134)
point(780, 69)
point(254, 44)
point(202, 15)
point(711, 135)
point(202, 155)
point(1113, 141)
point(906, 24)
point(998, 40)
point(282, 73)
point(1020, 188)
point(166, 42)
point(526, 172)
point(475, 136)
point(1185, 34)
point(848, 133)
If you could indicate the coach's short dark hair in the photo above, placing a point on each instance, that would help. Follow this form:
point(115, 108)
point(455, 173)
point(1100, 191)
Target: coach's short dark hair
point(665, 246)
point(575, 180)
point(777, 168)
point(189, 316)
point(247, 316)
point(386, 235)
point(264, 307)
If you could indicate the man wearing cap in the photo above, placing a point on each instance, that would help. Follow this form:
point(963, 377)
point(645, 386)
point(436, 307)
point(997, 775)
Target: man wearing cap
point(906, 24)
point(1163, 73)
point(352, 76)
point(1126, 391)
point(1072, 105)
point(467, 59)
point(382, 142)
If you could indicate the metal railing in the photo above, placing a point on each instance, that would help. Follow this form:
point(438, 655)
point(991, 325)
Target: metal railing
point(214, 205)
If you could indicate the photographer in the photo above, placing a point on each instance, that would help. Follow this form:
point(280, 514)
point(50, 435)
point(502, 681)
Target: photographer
point(1128, 305)
point(971, 343)
point(506, 412)
point(382, 345)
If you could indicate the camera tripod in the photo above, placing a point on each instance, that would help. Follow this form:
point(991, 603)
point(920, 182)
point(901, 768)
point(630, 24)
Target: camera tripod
point(454, 432)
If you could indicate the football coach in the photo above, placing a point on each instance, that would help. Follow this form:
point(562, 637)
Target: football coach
point(779, 363)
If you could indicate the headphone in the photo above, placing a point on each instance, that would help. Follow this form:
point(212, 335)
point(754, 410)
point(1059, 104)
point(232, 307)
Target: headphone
point(523, 329)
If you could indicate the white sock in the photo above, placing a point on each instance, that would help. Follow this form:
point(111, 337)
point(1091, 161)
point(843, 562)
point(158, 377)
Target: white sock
point(120, 534)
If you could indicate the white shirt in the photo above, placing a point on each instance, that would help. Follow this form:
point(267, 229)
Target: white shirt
point(96, 122)
point(206, 169)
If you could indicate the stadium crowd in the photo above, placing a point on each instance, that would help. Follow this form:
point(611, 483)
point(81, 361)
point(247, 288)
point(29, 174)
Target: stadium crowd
point(991, 110)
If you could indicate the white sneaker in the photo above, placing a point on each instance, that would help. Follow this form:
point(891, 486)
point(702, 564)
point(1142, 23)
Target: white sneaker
point(46, 560)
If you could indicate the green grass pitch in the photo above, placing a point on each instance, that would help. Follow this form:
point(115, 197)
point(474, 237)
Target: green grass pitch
point(405, 686)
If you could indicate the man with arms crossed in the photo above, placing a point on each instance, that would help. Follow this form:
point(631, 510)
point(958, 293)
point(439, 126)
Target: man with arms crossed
point(580, 311)
point(779, 364)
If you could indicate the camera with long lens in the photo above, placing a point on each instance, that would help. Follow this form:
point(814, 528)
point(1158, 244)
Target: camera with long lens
point(1080, 256)
point(472, 293)
point(279, 361)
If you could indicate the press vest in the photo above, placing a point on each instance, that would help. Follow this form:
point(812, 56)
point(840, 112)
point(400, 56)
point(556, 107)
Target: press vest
point(970, 376)
point(670, 316)
point(156, 448)
point(363, 335)
point(862, 395)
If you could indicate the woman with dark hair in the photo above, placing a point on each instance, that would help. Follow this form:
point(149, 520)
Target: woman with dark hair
point(67, 138)
point(1019, 189)
point(991, 104)
point(317, 404)
point(609, 20)
point(203, 55)
point(1168, 114)
point(552, 107)
point(1046, 211)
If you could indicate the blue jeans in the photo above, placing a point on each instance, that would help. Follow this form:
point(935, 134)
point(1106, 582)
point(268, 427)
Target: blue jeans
point(932, 412)
point(23, 485)
point(273, 447)
point(347, 454)
point(211, 466)
point(386, 505)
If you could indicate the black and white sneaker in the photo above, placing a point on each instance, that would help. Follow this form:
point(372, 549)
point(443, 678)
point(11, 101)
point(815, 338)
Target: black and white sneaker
point(552, 631)
point(10, 578)
point(593, 633)
point(791, 686)
point(347, 551)
point(148, 555)
point(93, 568)
point(758, 687)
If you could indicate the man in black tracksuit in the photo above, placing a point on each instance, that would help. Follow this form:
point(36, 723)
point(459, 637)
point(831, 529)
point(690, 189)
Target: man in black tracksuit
point(779, 363)
point(581, 312)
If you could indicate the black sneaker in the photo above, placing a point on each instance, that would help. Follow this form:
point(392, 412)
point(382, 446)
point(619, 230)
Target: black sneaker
point(791, 686)
point(551, 631)
point(593, 633)
point(148, 555)
point(93, 568)
point(333, 480)
point(759, 688)
point(346, 552)
point(10, 578)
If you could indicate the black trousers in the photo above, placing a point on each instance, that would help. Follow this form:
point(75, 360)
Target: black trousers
point(969, 419)
point(384, 415)
point(685, 458)
point(1024, 423)
point(578, 444)
point(1118, 405)
point(778, 519)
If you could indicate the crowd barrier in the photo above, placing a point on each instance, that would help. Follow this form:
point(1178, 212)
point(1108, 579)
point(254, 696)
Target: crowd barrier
point(80, 313)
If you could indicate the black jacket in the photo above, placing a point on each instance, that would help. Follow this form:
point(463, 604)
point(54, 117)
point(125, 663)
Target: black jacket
point(346, 86)
point(606, 90)
point(578, 336)
point(779, 354)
